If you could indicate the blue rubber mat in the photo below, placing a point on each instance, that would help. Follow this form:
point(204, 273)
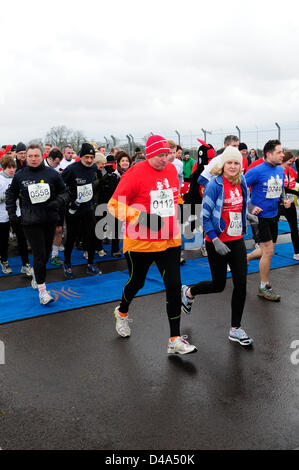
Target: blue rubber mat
point(17, 304)
point(77, 259)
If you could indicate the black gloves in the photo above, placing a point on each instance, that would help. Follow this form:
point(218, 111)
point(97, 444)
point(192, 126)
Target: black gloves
point(53, 205)
point(152, 221)
point(14, 220)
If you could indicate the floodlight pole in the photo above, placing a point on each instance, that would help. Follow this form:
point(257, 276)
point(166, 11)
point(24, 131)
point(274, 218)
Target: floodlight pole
point(205, 132)
point(179, 137)
point(129, 141)
point(278, 127)
point(107, 142)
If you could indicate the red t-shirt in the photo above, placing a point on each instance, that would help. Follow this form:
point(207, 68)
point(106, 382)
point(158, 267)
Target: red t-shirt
point(290, 178)
point(146, 189)
point(256, 163)
point(290, 181)
point(231, 212)
point(244, 165)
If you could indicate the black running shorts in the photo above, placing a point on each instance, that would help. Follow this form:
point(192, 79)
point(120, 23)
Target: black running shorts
point(268, 229)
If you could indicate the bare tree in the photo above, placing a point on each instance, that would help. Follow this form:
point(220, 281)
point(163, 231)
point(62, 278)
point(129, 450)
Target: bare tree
point(77, 140)
point(38, 141)
point(60, 136)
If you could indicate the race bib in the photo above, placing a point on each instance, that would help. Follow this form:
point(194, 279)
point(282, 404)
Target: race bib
point(235, 224)
point(290, 197)
point(274, 188)
point(162, 203)
point(39, 192)
point(84, 193)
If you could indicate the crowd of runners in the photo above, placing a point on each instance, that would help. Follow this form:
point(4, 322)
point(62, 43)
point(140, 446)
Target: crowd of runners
point(52, 200)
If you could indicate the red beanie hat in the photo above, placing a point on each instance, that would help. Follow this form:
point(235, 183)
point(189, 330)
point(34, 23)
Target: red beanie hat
point(156, 144)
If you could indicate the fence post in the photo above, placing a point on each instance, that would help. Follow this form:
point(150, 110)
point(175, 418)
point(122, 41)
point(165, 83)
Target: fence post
point(179, 137)
point(278, 127)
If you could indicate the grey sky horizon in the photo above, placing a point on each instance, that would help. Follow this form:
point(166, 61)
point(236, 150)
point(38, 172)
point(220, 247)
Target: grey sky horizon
point(136, 67)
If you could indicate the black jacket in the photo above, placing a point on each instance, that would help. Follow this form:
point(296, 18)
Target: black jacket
point(38, 188)
point(77, 175)
point(109, 183)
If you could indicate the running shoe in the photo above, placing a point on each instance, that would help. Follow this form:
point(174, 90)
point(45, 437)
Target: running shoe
point(6, 269)
point(180, 346)
point(93, 269)
point(27, 269)
point(45, 297)
point(68, 272)
point(268, 294)
point(204, 251)
point(101, 253)
point(296, 257)
point(85, 255)
point(117, 254)
point(239, 335)
point(122, 324)
point(33, 281)
point(56, 261)
point(186, 301)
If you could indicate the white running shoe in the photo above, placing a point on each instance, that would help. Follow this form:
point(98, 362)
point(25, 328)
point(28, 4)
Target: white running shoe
point(180, 346)
point(27, 269)
point(239, 335)
point(45, 297)
point(33, 281)
point(296, 256)
point(203, 251)
point(122, 324)
point(85, 255)
point(101, 253)
point(187, 302)
point(6, 269)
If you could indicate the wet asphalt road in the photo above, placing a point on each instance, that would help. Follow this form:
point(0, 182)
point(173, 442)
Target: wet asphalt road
point(69, 381)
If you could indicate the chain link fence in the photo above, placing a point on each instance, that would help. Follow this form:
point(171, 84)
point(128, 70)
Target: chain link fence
point(254, 138)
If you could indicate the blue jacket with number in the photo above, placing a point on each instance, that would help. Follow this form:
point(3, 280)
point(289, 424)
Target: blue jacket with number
point(213, 200)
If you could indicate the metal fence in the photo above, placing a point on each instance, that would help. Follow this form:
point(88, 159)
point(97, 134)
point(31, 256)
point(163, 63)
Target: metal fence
point(254, 137)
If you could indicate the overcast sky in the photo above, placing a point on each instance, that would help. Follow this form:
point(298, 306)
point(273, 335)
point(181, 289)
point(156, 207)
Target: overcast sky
point(119, 67)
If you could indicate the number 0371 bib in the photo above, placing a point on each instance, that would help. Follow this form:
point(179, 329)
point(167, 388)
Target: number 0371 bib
point(39, 192)
point(162, 203)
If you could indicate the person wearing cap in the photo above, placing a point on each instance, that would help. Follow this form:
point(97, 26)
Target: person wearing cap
point(266, 182)
point(20, 155)
point(79, 178)
point(100, 161)
point(224, 222)
point(146, 199)
point(243, 149)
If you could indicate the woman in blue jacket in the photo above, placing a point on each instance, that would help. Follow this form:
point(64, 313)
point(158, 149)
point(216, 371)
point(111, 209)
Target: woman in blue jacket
point(224, 222)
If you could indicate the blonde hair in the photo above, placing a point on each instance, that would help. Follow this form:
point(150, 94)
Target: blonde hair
point(236, 180)
point(100, 158)
point(172, 144)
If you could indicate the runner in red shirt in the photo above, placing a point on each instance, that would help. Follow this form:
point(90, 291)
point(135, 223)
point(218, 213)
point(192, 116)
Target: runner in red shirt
point(224, 222)
point(290, 214)
point(146, 198)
